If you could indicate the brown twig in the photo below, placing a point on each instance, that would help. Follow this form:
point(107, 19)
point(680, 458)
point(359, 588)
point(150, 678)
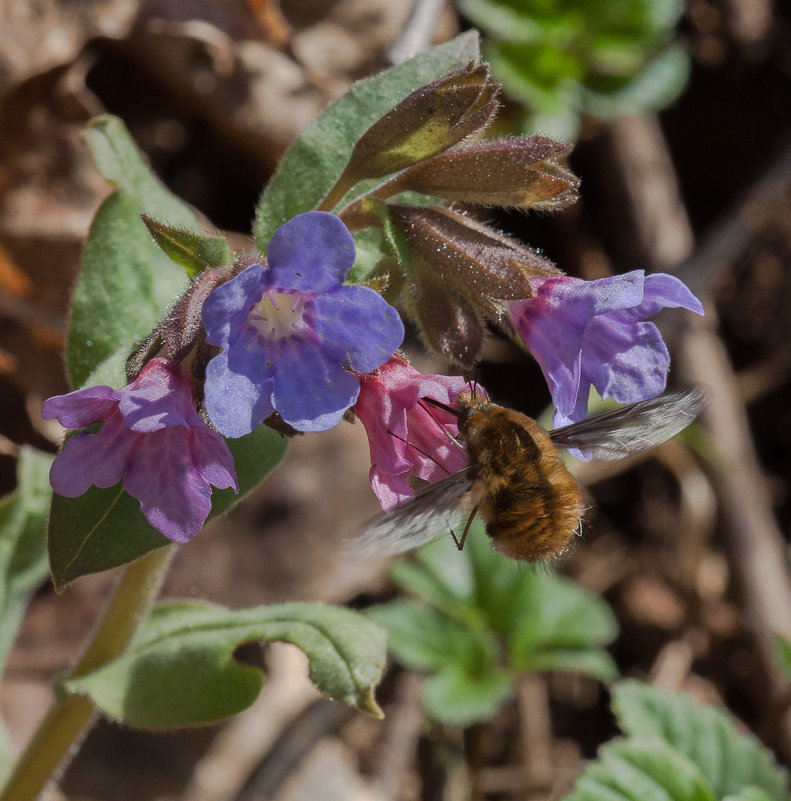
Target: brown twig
point(755, 543)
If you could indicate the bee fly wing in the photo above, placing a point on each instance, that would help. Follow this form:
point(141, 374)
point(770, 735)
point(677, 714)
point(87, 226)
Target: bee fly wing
point(635, 427)
point(433, 512)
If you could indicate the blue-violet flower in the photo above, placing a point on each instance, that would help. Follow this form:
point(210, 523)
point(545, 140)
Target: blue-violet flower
point(288, 332)
point(593, 333)
point(153, 438)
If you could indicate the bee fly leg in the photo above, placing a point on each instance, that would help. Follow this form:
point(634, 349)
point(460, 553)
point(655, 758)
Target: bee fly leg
point(419, 450)
point(460, 542)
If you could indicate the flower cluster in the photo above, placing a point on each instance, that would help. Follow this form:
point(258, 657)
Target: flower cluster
point(292, 339)
point(287, 342)
point(152, 438)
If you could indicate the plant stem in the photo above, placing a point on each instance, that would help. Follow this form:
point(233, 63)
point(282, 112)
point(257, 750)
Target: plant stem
point(70, 715)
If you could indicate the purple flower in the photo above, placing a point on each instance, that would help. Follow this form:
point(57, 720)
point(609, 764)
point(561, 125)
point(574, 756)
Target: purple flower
point(289, 331)
point(153, 438)
point(593, 333)
point(405, 436)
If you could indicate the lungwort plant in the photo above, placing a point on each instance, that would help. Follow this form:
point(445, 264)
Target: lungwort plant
point(191, 365)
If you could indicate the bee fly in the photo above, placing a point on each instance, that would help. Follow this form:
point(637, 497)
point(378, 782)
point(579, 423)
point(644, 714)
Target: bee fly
point(516, 480)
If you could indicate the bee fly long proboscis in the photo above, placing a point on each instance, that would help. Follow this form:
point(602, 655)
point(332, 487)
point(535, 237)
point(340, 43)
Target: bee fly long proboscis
point(516, 480)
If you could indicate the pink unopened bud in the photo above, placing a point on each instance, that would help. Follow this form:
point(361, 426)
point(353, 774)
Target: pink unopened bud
point(430, 120)
point(521, 172)
point(460, 272)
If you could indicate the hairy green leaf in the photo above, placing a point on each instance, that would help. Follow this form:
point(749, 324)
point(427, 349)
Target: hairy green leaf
point(127, 282)
point(708, 736)
point(316, 159)
point(640, 769)
point(23, 557)
point(180, 669)
point(194, 252)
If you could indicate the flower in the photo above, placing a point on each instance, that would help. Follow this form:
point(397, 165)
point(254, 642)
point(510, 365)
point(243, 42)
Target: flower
point(153, 438)
point(407, 437)
point(289, 331)
point(593, 333)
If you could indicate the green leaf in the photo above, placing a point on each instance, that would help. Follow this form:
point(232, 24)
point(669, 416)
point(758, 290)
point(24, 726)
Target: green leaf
point(597, 664)
point(369, 252)
point(708, 736)
point(563, 617)
point(23, 556)
point(549, 622)
point(467, 681)
point(656, 85)
point(316, 159)
point(425, 638)
point(194, 252)
point(783, 654)
point(23, 553)
point(460, 698)
point(127, 282)
point(180, 669)
point(439, 575)
point(749, 794)
point(641, 769)
point(104, 528)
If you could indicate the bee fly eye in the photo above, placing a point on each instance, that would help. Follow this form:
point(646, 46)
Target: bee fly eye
point(464, 416)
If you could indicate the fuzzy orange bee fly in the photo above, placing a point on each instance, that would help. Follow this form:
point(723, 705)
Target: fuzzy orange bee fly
point(515, 478)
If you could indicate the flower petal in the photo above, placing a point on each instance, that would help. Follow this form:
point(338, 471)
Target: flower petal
point(81, 408)
point(160, 396)
point(99, 459)
point(211, 456)
point(664, 291)
point(225, 311)
point(311, 252)
point(357, 326)
point(174, 497)
point(627, 362)
point(236, 402)
point(609, 294)
point(554, 334)
point(311, 391)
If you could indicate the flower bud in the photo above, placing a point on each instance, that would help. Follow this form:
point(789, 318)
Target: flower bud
point(430, 120)
point(460, 272)
point(181, 330)
point(521, 172)
point(470, 256)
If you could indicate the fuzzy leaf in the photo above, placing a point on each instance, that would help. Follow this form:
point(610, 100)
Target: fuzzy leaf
point(317, 158)
point(468, 629)
point(127, 282)
point(640, 769)
point(460, 698)
point(423, 637)
point(708, 736)
point(23, 551)
point(23, 559)
point(180, 670)
point(194, 252)
point(104, 528)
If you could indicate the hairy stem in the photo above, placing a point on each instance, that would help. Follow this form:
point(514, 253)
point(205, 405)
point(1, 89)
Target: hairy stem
point(70, 715)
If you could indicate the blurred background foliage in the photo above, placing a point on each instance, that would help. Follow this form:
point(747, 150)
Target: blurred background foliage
point(599, 58)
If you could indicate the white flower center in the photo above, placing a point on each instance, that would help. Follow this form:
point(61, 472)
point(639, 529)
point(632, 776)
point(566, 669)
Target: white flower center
point(279, 314)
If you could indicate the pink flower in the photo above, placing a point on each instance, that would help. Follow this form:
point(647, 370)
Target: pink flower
point(152, 437)
point(408, 437)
